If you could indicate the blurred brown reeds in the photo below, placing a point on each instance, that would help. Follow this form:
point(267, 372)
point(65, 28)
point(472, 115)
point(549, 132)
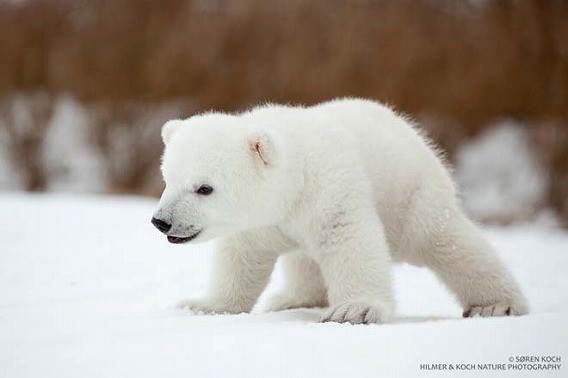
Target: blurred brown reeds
point(459, 65)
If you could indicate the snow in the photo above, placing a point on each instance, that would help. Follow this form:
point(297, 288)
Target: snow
point(499, 174)
point(74, 164)
point(10, 179)
point(87, 289)
point(85, 149)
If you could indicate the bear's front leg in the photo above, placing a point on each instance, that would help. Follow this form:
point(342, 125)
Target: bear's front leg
point(241, 270)
point(355, 263)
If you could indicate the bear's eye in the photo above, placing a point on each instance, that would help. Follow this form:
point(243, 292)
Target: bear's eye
point(204, 190)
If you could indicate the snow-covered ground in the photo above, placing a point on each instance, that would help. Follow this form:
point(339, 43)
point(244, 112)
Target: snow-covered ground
point(87, 289)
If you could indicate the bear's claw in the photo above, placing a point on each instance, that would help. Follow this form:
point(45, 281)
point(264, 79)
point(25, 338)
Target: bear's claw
point(355, 313)
point(495, 310)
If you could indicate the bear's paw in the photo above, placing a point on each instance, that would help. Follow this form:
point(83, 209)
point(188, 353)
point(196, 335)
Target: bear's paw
point(357, 313)
point(283, 301)
point(498, 309)
point(208, 306)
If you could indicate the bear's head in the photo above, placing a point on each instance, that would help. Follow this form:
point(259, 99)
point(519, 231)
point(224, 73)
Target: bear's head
point(223, 175)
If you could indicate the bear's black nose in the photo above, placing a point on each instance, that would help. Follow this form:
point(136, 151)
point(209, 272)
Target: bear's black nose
point(161, 225)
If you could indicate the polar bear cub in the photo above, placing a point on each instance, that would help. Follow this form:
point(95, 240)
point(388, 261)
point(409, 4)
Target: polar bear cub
point(339, 191)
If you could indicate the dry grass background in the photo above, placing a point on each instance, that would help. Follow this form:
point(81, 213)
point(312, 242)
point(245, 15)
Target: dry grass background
point(456, 65)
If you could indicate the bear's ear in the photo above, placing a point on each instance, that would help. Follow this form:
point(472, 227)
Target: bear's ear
point(169, 129)
point(263, 147)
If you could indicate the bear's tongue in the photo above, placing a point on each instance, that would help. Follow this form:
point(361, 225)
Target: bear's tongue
point(177, 240)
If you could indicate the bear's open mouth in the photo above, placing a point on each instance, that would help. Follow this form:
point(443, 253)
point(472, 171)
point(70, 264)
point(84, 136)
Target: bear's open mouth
point(181, 240)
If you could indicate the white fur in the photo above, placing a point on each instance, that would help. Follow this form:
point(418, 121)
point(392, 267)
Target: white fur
point(342, 189)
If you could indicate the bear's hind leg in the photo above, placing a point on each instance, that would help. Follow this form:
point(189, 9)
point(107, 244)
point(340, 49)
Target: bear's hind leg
point(454, 248)
point(304, 286)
